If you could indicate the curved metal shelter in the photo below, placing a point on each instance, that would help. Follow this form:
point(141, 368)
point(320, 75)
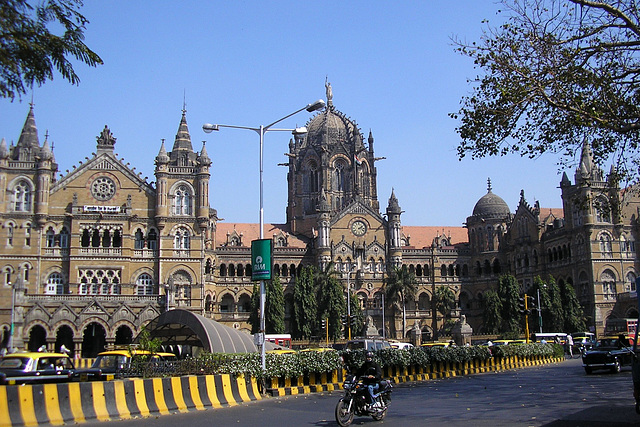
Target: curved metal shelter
point(182, 327)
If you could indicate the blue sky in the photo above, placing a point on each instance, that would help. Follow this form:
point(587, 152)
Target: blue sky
point(392, 67)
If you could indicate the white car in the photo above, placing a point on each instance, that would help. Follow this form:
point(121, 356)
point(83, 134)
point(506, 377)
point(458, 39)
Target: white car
point(401, 345)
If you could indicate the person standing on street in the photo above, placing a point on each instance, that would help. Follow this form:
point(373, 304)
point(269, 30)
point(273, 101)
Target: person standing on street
point(570, 346)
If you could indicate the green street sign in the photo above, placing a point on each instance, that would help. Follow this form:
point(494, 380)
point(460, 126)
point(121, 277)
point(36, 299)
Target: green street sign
point(261, 255)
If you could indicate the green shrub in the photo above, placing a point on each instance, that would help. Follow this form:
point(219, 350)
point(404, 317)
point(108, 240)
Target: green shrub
point(304, 363)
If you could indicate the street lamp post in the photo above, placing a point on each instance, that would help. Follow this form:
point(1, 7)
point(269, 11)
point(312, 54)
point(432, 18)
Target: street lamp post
point(539, 311)
point(13, 307)
point(349, 271)
point(261, 130)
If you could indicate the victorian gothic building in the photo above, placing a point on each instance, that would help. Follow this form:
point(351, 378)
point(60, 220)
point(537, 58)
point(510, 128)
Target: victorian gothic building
point(91, 256)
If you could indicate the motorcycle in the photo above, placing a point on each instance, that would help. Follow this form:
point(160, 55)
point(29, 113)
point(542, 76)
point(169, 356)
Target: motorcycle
point(354, 401)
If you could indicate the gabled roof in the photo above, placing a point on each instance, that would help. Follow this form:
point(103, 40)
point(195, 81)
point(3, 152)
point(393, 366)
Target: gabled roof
point(252, 232)
point(104, 161)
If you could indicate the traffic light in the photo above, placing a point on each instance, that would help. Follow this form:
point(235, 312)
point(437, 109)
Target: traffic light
point(353, 321)
point(344, 320)
point(522, 306)
point(323, 324)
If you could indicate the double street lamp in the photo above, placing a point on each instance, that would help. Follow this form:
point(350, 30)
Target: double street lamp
point(261, 130)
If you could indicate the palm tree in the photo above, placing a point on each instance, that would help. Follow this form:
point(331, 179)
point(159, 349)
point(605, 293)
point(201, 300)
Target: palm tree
point(445, 301)
point(401, 286)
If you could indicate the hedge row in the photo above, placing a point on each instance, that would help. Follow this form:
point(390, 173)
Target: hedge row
point(303, 363)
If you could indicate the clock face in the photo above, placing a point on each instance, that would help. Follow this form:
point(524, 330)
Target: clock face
point(358, 228)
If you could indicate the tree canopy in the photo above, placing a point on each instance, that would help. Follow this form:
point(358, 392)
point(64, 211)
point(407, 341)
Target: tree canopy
point(554, 74)
point(305, 304)
point(30, 51)
point(401, 287)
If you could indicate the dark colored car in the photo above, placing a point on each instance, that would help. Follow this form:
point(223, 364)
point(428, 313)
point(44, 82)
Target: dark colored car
point(610, 353)
point(36, 367)
point(109, 364)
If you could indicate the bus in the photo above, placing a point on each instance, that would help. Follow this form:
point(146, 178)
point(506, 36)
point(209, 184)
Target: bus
point(550, 337)
point(283, 340)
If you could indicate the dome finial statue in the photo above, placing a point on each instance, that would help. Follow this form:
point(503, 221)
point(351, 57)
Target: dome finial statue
point(327, 86)
point(488, 185)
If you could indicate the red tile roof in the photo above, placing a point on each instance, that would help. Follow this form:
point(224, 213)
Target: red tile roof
point(422, 236)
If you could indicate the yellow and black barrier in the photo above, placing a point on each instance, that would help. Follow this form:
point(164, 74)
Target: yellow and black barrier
point(330, 381)
point(56, 404)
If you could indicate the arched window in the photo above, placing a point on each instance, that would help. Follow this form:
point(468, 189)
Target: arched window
point(64, 238)
point(139, 239)
point(605, 245)
point(182, 201)
point(50, 238)
point(22, 197)
point(313, 181)
point(630, 286)
point(54, 284)
point(144, 285)
point(152, 240)
point(424, 302)
point(339, 177)
point(603, 209)
point(182, 239)
point(608, 280)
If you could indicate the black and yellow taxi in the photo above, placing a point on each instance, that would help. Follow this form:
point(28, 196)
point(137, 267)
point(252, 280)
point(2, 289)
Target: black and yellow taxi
point(35, 367)
point(109, 364)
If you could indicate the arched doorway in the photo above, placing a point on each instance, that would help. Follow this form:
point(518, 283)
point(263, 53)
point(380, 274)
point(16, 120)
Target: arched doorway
point(93, 340)
point(124, 335)
point(37, 338)
point(64, 336)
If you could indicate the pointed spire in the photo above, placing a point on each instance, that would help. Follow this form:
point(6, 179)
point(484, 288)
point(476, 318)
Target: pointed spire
point(183, 139)
point(162, 156)
point(488, 185)
point(204, 157)
point(4, 152)
point(394, 206)
point(46, 153)
point(586, 160)
point(29, 135)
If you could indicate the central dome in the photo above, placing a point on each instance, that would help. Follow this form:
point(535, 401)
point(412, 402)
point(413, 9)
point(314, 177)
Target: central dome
point(491, 206)
point(331, 126)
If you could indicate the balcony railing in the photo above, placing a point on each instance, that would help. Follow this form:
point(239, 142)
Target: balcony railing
point(101, 251)
point(101, 297)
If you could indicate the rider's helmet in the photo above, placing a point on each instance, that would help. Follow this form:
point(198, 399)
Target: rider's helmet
point(369, 355)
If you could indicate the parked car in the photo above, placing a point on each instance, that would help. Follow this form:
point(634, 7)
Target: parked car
point(372, 344)
point(318, 349)
point(582, 342)
point(401, 345)
point(108, 363)
point(35, 367)
point(610, 353)
point(435, 344)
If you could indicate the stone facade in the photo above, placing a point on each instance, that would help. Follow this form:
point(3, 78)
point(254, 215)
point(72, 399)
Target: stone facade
point(92, 255)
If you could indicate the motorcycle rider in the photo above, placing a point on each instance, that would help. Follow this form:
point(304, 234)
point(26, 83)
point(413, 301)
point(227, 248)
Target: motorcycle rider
point(372, 374)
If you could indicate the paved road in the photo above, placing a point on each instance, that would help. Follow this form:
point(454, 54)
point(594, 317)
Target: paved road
point(555, 395)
